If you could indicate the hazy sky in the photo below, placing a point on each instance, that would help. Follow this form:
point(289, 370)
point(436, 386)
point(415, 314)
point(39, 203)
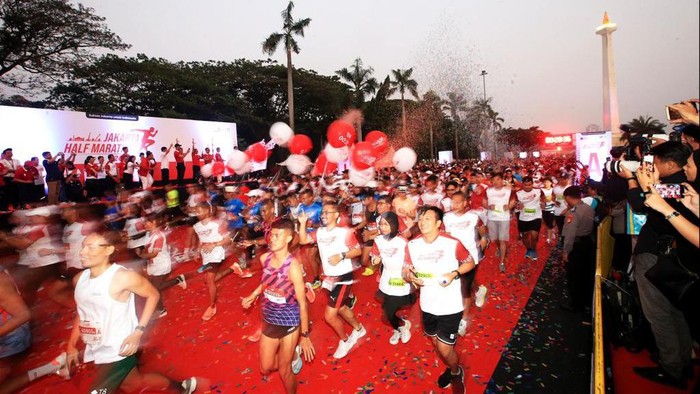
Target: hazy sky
point(543, 59)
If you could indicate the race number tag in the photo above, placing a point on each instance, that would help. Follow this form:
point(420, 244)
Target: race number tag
point(427, 278)
point(397, 282)
point(91, 333)
point(530, 210)
point(274, 297)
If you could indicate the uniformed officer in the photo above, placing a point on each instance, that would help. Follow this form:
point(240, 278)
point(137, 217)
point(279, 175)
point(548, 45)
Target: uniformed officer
point(578, 253)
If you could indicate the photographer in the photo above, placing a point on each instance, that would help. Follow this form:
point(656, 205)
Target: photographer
point(667, 322)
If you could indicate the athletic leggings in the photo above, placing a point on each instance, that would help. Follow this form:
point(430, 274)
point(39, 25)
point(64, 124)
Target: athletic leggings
point(391, 304)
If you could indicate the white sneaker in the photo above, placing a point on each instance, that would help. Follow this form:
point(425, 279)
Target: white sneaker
point(343, 348)
point(182, 283)
point(481, 296)
point(189, 385)
point(405, 331)
point(297, 363)
point(395, 337)
point(462, 330)
point(60, 362)
point(357, 334)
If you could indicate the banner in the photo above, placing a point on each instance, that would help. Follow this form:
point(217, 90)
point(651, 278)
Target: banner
point(592, 149)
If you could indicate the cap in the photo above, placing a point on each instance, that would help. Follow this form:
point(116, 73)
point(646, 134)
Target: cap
point(177, 145)
point(255, 193)
point(41, 211)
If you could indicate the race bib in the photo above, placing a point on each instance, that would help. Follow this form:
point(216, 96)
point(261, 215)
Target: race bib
point(397, 282)
point(91, 333)
point(530, 210)
point(427, 278)
point(274, 297)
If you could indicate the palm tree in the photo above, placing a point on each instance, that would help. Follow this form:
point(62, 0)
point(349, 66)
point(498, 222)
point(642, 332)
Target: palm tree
point(486, 116)
point(455, 103)
point(647, 124)
point(403, 82)
point(290, 28)
point(360, 79)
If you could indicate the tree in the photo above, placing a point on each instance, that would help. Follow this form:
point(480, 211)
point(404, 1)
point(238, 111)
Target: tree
point(455, 104)
point(403, 82)
point(483, 117)
point(360, 79)
point(521, 139)
point(647, 124)
point(42, 40)
point(290, 28)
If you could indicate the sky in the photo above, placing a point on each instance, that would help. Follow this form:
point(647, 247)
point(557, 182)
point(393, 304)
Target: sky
point(542, 57)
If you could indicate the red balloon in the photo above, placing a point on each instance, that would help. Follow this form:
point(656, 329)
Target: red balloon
point(341, 133)
point(218, 168)
point(300, 144)
point(379, 141)
point(363, 155)
point(323, 166)
point(257, 152)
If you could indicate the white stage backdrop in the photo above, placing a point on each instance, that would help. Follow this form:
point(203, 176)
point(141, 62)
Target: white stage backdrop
point(592, 149)
point(29, 132)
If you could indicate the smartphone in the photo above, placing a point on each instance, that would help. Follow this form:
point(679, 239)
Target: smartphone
point(649, 159)
point(669, 190)
point(672, 114)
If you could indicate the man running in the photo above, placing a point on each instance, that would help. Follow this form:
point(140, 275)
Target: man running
point(499, 201)
point(337, 246)
point(434, 261)
point(530, 215)
point(284, 307)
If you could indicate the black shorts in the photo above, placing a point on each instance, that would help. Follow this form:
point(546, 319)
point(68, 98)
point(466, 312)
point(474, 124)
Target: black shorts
point(532, 225)
point(467, 281)
point(340, 294)
point(548, 218)
point(110, 376)
point(443, 327)
point(277, 332)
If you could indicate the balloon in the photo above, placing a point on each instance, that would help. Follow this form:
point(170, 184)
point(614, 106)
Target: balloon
point(360, 177)
point(341, 133)
point(298, 164)
point(404, 159)
point(237, 160)
point(281, 133)
point(335, 155)
point(300, 144)
point(379, 141)
point(218, 168)
point(363, 155)
point(323, 166)
point(247, 167)
point(257, 152)
point(205, 170)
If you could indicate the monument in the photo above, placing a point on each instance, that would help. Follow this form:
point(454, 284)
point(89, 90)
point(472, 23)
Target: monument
point(611, 116)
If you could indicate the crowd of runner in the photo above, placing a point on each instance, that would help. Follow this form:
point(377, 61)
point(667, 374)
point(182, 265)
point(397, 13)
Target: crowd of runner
point(421, 233)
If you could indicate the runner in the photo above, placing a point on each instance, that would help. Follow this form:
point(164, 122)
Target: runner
point(433, 262)
point(499, 201)
point(284, 309)
point(530, 201)
point(337, 246)
point(389, 250)
point(548, 210)
point(107, 323)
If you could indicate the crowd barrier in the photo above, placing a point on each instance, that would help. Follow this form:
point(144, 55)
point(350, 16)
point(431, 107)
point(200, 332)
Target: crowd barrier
point(604, 253)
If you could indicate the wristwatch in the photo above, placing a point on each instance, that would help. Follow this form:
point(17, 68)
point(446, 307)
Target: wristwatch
point(140, 328)
point(672, 215)
point(306, 334)
point(458, 274)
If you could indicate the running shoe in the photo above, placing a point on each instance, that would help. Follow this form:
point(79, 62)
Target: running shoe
point(368, 272)
point(481, 296)
point(352, 301)
point(528, 254)
point(182, 282)
point(297, 363)
point(405, 331)
point(357, 334)
point(462, 330)
point(163, 312)
point(209, 313)
point(189, 385)
point(310, 293)
point(243, 273)
point(316, 284)
point(445, 379)
point(458, 381)
point(395, 337)
point(62, 368)
point(533, 255)
point(256, 336)
point(343, 348)
point(502, 267)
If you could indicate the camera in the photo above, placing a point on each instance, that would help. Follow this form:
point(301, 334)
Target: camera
point(637, 148)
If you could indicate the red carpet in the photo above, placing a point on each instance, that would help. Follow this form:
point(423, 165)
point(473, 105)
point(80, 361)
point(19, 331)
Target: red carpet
point(182, 345)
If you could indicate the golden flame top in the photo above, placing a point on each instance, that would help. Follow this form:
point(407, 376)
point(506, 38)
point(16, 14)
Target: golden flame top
point(606, 19)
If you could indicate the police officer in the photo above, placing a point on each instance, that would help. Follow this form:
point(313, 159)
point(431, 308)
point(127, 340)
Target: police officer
point(578, 253)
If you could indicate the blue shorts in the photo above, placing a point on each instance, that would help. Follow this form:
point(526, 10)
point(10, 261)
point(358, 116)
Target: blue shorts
point(16, 341)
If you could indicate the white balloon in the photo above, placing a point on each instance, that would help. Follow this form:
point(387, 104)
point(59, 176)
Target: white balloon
point(237, 160)
point(281, 133)
point(247, 167)
point(336, 155)
point(298, 164)
point(360, 177)
point(206, 170)
point(404, 159)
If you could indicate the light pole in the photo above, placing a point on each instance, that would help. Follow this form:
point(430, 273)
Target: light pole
point(483, 75)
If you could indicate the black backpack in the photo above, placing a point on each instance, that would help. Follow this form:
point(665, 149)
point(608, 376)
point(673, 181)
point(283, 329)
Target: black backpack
point(623, 320)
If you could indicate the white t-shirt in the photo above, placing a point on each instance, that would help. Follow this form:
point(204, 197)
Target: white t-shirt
point(73, 236)
point(463, 227)
point(42, 236)
point(134, 227)
point(393, 257)
point(548, 199)
point(164, 161)
point(332, 242)
point(446, 204)
point(431, 261)
point(432, 199)
point(531, 205)
point(559, 197)
point(161, 264)
point(499, 198)
point(210, 232)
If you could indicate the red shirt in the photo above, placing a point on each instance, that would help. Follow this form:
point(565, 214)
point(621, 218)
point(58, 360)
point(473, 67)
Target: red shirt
point(179, 157)
point(196, 159)
point(91, 170)
point(208, 158)
point(144, 167)
point(24, 174)
point(218, 157)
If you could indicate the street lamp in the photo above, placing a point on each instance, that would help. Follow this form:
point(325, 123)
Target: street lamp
point(483, 75)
